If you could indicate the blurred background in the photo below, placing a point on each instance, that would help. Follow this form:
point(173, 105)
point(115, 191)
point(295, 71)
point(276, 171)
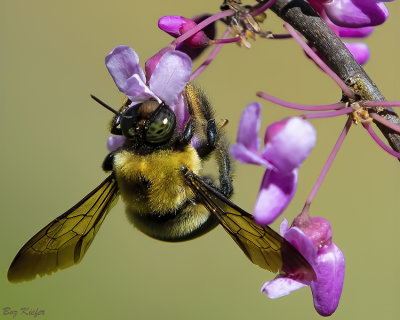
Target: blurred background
point(52, 58)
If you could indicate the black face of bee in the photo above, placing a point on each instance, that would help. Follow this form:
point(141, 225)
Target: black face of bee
point(148, 123)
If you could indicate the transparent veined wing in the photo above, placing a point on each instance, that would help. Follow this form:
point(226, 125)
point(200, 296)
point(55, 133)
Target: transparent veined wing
point(261, 244)
point(65, 240)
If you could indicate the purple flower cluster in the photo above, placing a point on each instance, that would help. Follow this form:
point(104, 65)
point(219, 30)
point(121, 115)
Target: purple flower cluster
point(353, 19)
point(287, 144)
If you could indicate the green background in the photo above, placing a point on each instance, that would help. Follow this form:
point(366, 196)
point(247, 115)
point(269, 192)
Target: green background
point(53, 142)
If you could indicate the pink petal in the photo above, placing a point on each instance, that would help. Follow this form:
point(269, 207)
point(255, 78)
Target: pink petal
point(275, 193)
point(178, 25)
point(123, 62)
point(290, 146)
point(244, 155)
point(181, 113)
point(137, 91)
point(247, 142)
point(249, 127)
point(328, 288)
point(298, 239)
point(114, 142)
point(170, 76)
point(356, 13)
point(359, 51)
point(354, 32)
point(281, 286)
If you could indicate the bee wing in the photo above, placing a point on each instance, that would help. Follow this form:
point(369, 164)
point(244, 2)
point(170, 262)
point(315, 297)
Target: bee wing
point(64, 241)
point(262, 245)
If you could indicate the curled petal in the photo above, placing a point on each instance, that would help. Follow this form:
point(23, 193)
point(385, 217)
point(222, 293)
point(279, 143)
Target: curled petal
point(137, 91)
point(359, 51)
point(247, 142)
point(170, 76)
point(281, 286)
point(181, 113)
point(123, 62)
point(276, 191)
point(115, 142)
point(356, 13)
point(300, 241)
point(290, 145)
point(330, 269)
point(249, 127)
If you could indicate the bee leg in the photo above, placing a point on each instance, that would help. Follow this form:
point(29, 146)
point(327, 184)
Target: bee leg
point(187, 133)
point(220, 148)
point(224, 168)
point(208, 145)
point(108, 163)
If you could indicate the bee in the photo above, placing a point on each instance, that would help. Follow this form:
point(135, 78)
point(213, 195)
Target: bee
point(158, 173)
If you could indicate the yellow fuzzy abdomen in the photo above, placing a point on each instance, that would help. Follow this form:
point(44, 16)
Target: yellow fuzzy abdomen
point(154, 183)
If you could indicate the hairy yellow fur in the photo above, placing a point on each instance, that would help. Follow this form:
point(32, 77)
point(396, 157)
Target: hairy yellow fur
point(153, 183)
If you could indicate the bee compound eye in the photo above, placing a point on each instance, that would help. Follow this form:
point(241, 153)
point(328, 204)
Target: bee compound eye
point(161, 127)
point(128, 122)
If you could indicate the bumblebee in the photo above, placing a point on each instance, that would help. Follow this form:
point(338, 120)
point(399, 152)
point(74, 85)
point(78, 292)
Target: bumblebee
point(158, 174)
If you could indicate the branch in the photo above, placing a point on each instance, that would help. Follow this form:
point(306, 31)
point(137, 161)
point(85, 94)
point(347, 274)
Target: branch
point(304, 19)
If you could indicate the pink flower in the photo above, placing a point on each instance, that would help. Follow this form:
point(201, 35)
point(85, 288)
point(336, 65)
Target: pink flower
point(353, 19)
point(165, 83)
point(287, 144)
point(313, 239)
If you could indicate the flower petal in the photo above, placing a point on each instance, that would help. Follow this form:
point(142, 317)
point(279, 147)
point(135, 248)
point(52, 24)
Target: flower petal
point(359, 51)
point(137, 91)
point(298, 239)
point(181, 113)
point(247, 142)
point(170, 76)
point(328, 288)
point(354, 32)
point(276, 191)
point(249, 127)
point(115, 142)
point(288, 148)
point(123, 62)
point(244, 155)
point(356, 13)
point(280, 286)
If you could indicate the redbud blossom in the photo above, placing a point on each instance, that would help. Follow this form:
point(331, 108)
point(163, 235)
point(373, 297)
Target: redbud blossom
point(313, 239)
point(164, 84)
point(287, 144)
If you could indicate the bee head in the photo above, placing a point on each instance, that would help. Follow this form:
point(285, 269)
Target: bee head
point(149, 122)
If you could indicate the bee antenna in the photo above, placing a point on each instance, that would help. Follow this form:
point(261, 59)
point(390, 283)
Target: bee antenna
point(105, 105)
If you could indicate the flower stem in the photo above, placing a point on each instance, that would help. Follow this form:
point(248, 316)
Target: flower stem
point(319, 61)
point(381, 104)
point(209, 59)
point(385, 122)
point(327, 166)
point(334, 106)
point(374, 136)
point(202, 25)
point(223, 41)
point(328, 114)
point(263, 8)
